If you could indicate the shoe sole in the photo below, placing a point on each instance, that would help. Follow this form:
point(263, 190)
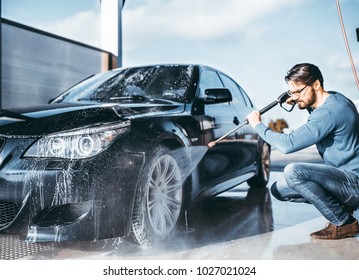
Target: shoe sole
point(342, 237)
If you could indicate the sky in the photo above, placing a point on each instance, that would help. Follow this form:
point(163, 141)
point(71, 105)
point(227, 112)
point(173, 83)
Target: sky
point(256, 42)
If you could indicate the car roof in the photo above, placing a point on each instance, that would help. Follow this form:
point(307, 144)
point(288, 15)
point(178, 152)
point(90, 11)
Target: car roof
point(200, 66)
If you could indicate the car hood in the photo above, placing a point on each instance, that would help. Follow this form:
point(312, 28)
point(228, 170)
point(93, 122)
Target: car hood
point(51, 118)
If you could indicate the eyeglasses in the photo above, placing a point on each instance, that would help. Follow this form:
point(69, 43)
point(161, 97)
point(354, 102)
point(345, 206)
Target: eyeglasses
point(297, 92)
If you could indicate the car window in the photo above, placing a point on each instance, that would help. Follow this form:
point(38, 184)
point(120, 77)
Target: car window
point(233, 87)
point(246, 98)
point(134, 84)
point(236, 91)
point(209, 79)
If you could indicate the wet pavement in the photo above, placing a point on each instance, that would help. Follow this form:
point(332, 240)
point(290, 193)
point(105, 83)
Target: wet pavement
point(241, 223)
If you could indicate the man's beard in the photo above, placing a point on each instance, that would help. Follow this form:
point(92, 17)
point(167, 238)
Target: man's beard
point(312, 99)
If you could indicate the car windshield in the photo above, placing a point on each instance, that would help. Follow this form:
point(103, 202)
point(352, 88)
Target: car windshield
point(166, 83)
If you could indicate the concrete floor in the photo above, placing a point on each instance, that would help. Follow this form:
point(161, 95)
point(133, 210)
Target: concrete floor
point(292, 243)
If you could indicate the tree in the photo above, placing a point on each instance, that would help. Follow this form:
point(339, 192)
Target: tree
point(279, 125)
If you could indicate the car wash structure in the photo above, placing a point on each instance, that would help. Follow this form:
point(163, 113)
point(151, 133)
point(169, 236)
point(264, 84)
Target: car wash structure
point(37, 66)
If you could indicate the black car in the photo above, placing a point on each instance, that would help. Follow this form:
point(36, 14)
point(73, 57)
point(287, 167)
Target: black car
point(124, 153)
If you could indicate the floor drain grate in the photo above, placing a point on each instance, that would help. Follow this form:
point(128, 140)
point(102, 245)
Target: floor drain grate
point(12, 247)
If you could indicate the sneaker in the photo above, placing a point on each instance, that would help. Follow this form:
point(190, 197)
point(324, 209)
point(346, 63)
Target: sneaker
point(337, 232)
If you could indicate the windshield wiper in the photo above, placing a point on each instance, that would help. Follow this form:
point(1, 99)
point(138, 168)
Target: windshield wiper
point(135, 98)
point(131, 97)
point(90, 99)
point(139, 98)
point(173, 96)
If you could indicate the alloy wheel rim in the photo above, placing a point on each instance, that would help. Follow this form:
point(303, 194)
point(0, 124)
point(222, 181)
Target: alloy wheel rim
point(265, 161)
point(164, 196)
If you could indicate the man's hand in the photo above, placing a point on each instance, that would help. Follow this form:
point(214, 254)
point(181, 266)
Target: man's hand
point(292, 100)
point(211, 144)
point(254, 118)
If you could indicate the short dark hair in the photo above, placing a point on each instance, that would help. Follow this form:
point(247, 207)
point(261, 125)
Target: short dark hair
point(305, 73)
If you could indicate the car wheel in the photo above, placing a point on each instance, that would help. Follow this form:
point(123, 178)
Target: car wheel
point(159, 199)
point(262, 177)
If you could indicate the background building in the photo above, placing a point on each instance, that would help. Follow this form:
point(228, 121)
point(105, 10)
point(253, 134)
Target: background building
point(37, 65)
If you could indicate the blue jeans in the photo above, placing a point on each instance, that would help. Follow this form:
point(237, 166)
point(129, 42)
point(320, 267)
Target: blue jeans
point(326, 187)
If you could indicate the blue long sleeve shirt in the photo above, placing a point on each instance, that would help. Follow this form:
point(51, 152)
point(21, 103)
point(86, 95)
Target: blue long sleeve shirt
point(333, 127)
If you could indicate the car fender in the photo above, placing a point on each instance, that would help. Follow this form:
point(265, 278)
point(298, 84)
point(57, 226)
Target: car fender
point(174, 132)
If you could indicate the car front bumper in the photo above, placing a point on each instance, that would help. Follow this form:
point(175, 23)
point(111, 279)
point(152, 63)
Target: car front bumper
point(58, 200)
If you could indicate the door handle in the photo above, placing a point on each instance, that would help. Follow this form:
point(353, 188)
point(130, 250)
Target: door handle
point(235, 121)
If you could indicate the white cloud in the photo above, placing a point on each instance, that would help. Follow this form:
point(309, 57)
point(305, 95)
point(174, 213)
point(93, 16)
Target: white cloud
point(341, 65)
point(84, 27)
point(196, 19)
point(339, 61)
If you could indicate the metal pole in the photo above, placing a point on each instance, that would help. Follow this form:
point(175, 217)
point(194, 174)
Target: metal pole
point(119, 34)
point(115, 27)
point(0, 56)
point(347, 44)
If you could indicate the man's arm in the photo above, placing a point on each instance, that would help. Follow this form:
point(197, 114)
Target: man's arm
point(318, 126)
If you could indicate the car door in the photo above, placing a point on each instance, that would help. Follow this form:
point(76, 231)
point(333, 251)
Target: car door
point(246, 137)
point(221, 162)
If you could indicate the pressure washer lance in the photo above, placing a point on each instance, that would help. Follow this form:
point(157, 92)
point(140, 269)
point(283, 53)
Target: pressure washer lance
point(280, 100)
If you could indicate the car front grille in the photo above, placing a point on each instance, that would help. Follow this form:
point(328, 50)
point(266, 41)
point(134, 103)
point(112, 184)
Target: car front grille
point(8, 212)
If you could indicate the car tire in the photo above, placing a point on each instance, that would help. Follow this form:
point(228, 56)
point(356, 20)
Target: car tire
point(159, 199)
point(262, 177)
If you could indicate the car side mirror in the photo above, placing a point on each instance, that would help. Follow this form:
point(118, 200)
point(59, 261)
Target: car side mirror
point(217, 95)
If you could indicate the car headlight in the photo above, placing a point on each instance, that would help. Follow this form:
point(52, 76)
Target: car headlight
point(77, 144)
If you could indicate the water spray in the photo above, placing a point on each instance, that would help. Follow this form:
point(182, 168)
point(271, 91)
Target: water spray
point(196, 153)
point(188, 158)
